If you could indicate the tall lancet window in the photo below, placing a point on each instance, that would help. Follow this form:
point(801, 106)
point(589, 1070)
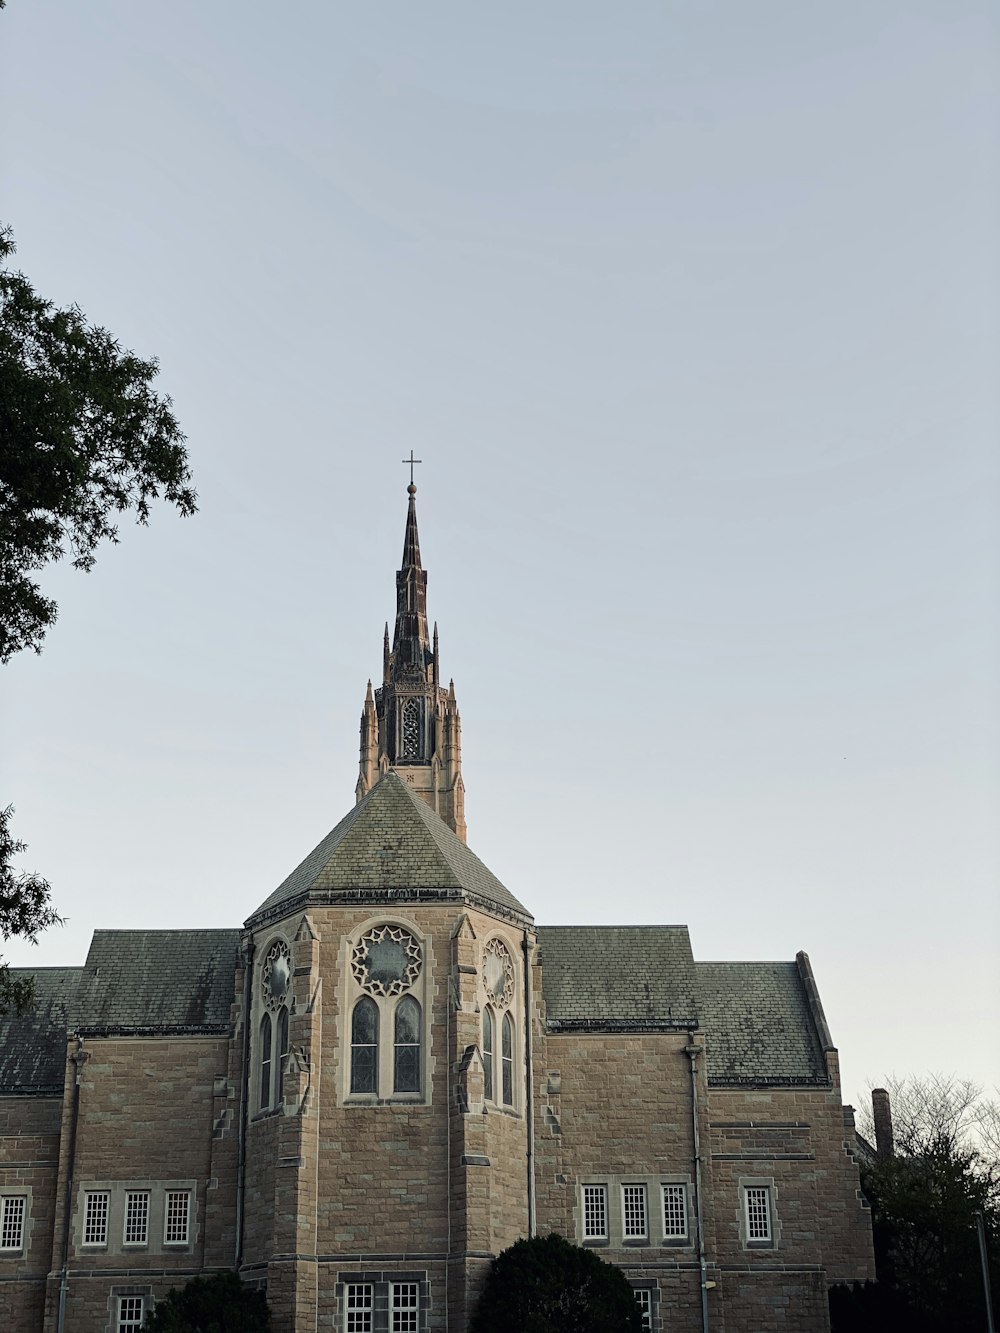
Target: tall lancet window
point(488, 1054)
point(406, 1075)
point(410, 728)
point(364, 1046)
point(265, 1062)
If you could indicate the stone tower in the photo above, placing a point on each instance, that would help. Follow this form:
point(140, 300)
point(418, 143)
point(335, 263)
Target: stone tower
point(411, 723)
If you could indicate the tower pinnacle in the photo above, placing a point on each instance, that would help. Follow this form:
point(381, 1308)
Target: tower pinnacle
point(413, 724)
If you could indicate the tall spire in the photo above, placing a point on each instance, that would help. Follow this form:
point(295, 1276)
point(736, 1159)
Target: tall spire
point(413, 724)
point(410, 648)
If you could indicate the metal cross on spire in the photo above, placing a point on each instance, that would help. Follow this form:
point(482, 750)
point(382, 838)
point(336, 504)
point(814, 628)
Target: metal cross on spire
point(412, 462)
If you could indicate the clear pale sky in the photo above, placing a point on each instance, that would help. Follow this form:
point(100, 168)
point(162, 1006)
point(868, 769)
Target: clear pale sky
point(692, 311)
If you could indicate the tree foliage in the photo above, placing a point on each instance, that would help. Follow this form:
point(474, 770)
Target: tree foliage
point(216, 1304)
point(85, 438)
point(924, 1200)
point(547, 1285)
point(24, 911)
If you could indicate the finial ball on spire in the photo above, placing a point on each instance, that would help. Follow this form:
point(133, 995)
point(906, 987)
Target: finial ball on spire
point(411, 489)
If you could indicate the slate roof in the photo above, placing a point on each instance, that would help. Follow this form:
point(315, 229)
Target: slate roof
point(391, 846)
point(625, 974)
point(33, 1044)
point(759, 1023)
point(141, 980)
point(762, 1021)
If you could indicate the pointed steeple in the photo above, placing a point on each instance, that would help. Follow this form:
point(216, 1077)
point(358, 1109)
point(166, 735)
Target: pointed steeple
point(410, 649)
point(413, 724)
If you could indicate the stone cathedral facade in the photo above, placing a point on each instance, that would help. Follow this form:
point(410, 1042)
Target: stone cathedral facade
point(390, 1073)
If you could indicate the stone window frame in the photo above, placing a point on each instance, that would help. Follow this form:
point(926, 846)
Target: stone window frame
point(270, 1017)
point(502, 1012)
point(118, 1190)
point(656, 1236)
point(354, 991)
point(676, 1238)
point(23, 1196)
point(594, 1190)
point(382, 1286)
point(96, 1226)
point(766, 1184)
point(647, 1295)
point(635, 1237)
point(119, 1293)
point(171, 1216)
point(137, 1242)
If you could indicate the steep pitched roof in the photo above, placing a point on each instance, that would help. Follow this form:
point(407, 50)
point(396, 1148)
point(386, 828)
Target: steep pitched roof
point(622, 974)
point(33, 1044)
point(391, 843)
point(759, 1023)
point(762, 1021)
point(156, 980)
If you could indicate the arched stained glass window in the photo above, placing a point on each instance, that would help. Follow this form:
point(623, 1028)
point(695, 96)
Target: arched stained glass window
point(507, 1059)
point(364, 1046)
point(282, 1054)
point(406, 1068)
point(488, 1052)
point(265, 1062)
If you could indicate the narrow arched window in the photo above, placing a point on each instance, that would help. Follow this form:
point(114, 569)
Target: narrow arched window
point(488, 1053)
point(265, 1062)
point(406, 1064)
point(364, 1046)
point(507, 1059)
point(282, 1054)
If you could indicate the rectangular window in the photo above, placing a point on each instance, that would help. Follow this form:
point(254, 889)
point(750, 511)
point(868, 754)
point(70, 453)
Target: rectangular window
point(136, 1217)
point(175, 1224)
point(404, 1307)
point(757, 1203)
point(131, 1310)
point(634, 1212)
point(12, 1222)
point(644, 1299)
point(595, 1212)
point(359, 1305)
point(675, 1217)
point(95, 1218)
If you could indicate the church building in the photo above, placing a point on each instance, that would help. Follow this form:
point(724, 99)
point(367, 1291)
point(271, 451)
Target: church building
point(390, 1074)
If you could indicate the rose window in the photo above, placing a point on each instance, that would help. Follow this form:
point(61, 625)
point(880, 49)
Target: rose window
point(386, 960)
point(276, 975)
point(498, 973)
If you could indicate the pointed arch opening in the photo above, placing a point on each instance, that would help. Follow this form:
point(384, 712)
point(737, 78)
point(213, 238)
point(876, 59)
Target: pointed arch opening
point(507, 1060)
point(282, 1055)
point(488, 1053)
point(406, 1054)
point(264, 1095)
point(364, 1046)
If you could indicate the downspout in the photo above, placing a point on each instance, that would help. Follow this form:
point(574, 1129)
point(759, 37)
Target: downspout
point(692, 1051)
point(241, 1169)
point(449, 1066)
point(529, 1105)
point(77, 1058)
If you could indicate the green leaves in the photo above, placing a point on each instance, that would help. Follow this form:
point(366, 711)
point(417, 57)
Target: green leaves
point(25, 910)
point(547, 1285)
point(86, 438)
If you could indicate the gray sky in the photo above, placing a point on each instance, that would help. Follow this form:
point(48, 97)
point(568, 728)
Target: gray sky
point(692, 311)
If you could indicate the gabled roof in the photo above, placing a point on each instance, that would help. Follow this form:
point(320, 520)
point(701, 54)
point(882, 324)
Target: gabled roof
point(763, 1023)
point(391, 846)
point(33, 1044)
point(157, 980)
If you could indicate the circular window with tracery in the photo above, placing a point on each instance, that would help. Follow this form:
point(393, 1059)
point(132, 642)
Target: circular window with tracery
point(386, 960)
point(498, 972)
point(276, 975)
